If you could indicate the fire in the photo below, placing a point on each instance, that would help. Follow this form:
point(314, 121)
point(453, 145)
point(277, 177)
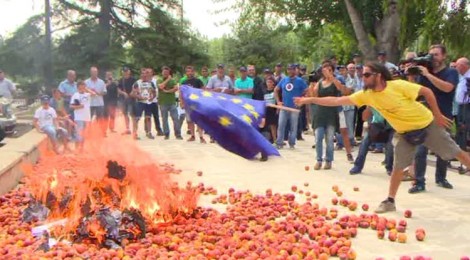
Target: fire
point(110, 188)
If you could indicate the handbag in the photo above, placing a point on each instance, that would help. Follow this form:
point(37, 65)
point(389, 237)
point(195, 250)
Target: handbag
point(416, 137)
point(379, 132)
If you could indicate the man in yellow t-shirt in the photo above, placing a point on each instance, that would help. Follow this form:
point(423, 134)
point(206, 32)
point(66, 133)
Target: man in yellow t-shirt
point(396, 101)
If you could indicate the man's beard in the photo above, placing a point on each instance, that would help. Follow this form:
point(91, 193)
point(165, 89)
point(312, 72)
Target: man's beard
point(370, 86)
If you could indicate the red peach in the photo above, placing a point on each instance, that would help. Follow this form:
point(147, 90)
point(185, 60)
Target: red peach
point(356, 188)
point(306, 184)
point(365, 207)
point(334, 201)
point(307, 168)
point(294, 188)
point(408, 213)
point(199, 173)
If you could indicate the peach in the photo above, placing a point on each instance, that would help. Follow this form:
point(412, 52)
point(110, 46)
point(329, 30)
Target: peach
point(408, 213)
point(380, 234)
point(307, 168)
point(334, 201)
point(405, 257)
point(294, 188)
point(401, 237)
point(365, 207)
point(392, 236)
point(199, 173)
point(356, 189)
point(335, 188)
point(306, 184)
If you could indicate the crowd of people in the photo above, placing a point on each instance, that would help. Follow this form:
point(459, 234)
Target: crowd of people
point(69, 111)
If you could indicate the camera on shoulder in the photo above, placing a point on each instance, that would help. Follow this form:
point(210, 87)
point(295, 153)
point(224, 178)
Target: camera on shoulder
point(424, 60)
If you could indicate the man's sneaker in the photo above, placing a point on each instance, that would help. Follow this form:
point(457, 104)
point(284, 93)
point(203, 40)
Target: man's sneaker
point(417, 189)
point(179, 137)
point(327, 166)
point(167, 137)
point(263, 158)
point(389, 172)
point(338, 147)
point(279, 146)
point(203, 141)
point(378, 151)
point(444, 184)
point(160, 133)
point(136, 137)
point(385, 206)
point(188, 132)
point(350, 158)
point(192, 139)
point(300, 138)
point(313, 146)
point(212, 141)
point(317, 166)
point(355, 170)
point(150, 136)
point(127, 132)
point(292, 147)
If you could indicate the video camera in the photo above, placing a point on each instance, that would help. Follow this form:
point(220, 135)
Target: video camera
point(315, 75)
point(424, 60)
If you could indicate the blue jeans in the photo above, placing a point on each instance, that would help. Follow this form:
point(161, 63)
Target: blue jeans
point(326, 133)
point(55, 133)
point(79, 129)
point(364, 149)
point(173, 112)
point(420, 166)
point(294, 120)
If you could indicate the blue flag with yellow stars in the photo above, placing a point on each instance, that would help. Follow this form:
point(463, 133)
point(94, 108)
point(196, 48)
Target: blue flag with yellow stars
point(232, 121)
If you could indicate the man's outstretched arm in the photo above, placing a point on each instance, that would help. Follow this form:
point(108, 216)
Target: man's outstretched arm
point(324, 101)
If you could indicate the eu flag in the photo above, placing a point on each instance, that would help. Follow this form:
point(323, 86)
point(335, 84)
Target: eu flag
point(232, 121)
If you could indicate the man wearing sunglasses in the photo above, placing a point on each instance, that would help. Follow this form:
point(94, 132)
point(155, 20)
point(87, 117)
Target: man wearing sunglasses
point(413, 122)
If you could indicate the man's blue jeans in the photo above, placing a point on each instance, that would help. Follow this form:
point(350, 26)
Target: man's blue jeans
point(327, 134)
point(54, 133)
point(420, 166)
point(293, 118)
point(173, 112)
point(364, 149)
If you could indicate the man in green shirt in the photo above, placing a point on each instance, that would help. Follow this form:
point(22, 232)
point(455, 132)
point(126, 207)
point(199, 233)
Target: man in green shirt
point(167, 99)
point(204, 76)
point(244, 84)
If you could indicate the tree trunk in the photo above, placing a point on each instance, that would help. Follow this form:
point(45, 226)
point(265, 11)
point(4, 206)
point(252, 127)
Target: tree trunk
point(48, 73)
point(104, 21)
point(388, 32)
point(361, 34)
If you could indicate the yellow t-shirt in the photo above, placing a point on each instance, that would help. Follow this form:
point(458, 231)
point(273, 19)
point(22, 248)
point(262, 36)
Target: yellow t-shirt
point(397, 104)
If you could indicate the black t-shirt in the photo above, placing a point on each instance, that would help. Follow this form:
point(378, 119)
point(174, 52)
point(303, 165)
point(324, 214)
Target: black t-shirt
point(126, 84)
point(194, 82)
point(444, 99)
point(111, 93)
point(258, 88)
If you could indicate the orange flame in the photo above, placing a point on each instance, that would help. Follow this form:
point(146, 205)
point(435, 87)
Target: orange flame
point(80, 179)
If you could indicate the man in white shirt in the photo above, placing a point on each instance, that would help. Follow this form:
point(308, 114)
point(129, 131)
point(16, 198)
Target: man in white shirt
point(81, 103)
point(45, 121)
point(382, 58)
point(7, 88)
point(98, 86)
point(463, 100)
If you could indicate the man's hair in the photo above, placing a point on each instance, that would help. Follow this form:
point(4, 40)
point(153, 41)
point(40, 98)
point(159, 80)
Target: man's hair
point(166, 68)
point(271, 78)
point(81, 82)
point(205, 68)
point(189, 68)
point(439, 46)
point(379, 68)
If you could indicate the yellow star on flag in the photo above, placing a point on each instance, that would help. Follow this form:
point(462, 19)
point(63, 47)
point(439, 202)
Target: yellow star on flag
point(249, 107)
point(255, 114)
point(193, 96)
point(236, 100)
point(206, 94)
point(247, 119)
point(225, 121)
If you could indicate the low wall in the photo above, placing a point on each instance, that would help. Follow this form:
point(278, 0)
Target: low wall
point(14, 153)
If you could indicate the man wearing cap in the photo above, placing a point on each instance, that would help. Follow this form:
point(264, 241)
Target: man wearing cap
point(220, 82)
point(357, 59)
point(278, 73)
point(127, 102)
point(290, 87)
point(45, 121)
point(98, 86)
point(67, 88)
point(382, 58)
point(244, 85)
point(258, 91)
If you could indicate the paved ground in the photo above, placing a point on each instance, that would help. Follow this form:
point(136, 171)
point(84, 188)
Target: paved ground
point(445, 214)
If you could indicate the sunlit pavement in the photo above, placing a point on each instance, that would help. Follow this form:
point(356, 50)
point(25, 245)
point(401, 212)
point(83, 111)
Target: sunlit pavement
point(444, 214)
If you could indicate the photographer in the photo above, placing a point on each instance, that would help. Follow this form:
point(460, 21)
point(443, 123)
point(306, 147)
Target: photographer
point(442, 80)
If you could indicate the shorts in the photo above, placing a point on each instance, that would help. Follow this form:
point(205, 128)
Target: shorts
point(342, 120)
point(80, 127)
point(141, 108)
point(437, 140)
